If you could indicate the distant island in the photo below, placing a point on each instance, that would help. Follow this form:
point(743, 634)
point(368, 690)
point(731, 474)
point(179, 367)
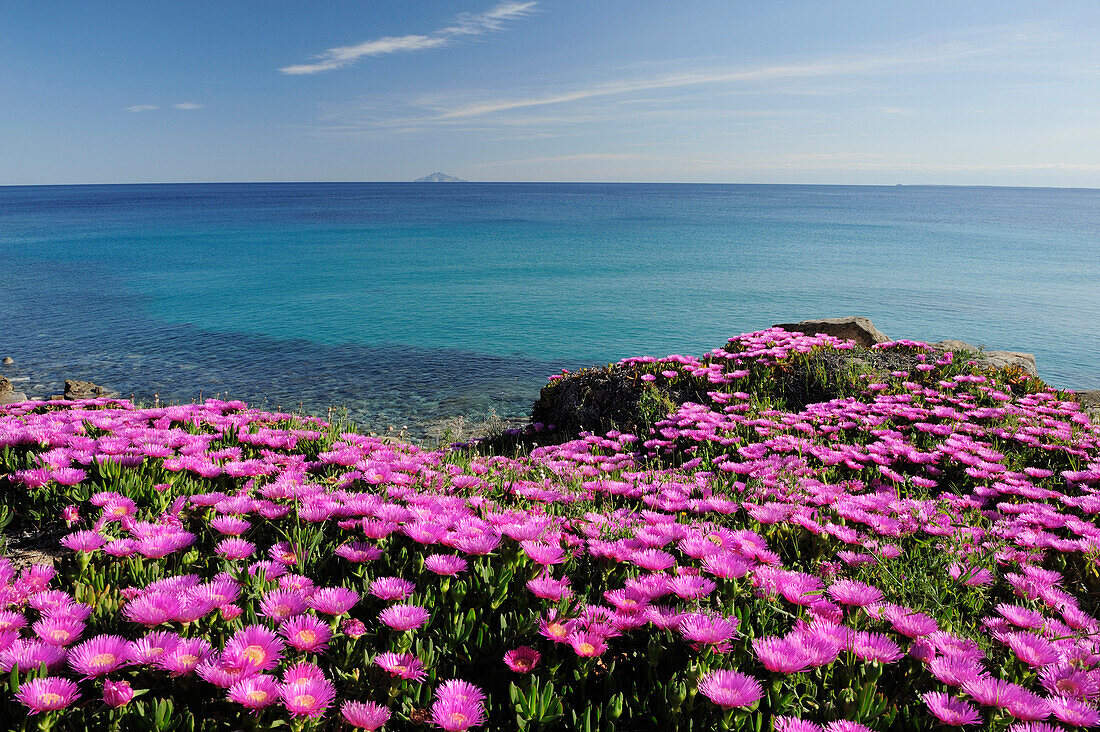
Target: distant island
point(438, 177)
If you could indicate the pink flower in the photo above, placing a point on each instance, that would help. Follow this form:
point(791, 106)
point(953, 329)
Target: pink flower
point(708, 629)
point(184, 656)
point(522, 659)
point(333, 600)
point(391, 588)
point(403, 617)
point(47, 694)
point(951, 711)
point(100, 655)
point(117, 693)
point(729, 689)
point(235, 548)
point(445, 564)
point(850, 592)
point(254, 647)
point(308, 698)
point(780, 654)
point(793, 724)
point(279, 605)
point(402, 665)
point(364, 715)
point(306, 633)
point(458, 706)
point(70, 513)
point(254, 692)
point(353, 628)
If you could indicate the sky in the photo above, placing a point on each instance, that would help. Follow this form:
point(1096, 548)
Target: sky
point(981, 92)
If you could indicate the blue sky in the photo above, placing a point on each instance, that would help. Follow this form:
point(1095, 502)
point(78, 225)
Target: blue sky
point(992, 92)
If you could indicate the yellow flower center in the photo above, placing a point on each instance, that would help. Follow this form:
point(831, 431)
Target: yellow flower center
point(257, 695)
point(103, 659)
point(306, 636)
point(586, 649)
point(305, 700)
point(49, 699)
point(458, 717)
point(255, 654)
point(188, 660)
point(557, 630)
point(60, 635)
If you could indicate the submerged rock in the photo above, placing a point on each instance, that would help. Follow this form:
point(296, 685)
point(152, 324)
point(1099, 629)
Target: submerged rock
point(8, 360)
point(856, 328)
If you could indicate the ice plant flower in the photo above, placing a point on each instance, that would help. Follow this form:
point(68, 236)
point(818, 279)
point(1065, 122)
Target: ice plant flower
point(333, 600)
point(364, 715)
point(403, 617)
point(458, 706)
point(705, 628)
point(391, 588)
point(308, 698)
point(729, 689)
point(402, 665)
point(47, 694)
point(445, 564)
point(100, 655)
point(306, 633)
point(523, 659)
point(117, 693)
point(254, 692)
point(951, 711)
point(254, 647)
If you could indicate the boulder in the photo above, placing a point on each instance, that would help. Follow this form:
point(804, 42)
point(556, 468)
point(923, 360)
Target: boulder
point(953, 345)
point(8, 360)
point(993, 359)
point(1001, 359)
point(5, 385)
point(83, 390)
point(12, 397)
point(1090, 402)
point(858, 329)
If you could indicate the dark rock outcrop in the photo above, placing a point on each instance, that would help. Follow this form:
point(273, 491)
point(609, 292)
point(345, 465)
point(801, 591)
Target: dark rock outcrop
point(857, 328)
point(5, 385)
point(84, 390)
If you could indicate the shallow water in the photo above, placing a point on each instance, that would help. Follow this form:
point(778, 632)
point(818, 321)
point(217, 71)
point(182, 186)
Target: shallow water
point(411, 304)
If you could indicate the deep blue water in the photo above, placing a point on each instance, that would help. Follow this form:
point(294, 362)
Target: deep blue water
point(412, 303)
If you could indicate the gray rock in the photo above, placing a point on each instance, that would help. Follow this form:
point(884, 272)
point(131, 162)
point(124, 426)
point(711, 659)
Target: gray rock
point(1001, 359)
point(8, 360)
point(1090, 402)
point(5, 385)
point(83, 390)
point(858, 329)
point(952, 345)
point(992, 359)
point(12, 397)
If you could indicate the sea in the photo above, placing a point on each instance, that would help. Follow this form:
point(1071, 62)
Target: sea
point(426, 309)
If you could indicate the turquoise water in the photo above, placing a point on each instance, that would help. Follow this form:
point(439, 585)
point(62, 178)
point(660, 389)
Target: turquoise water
point(412, 303)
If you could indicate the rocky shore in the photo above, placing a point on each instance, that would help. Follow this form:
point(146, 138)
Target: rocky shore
point(596, 398)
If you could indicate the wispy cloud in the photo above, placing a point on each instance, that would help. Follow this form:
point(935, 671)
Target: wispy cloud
point(187, 105)
point(142, 108)
point(916, 57)
point(466, 24)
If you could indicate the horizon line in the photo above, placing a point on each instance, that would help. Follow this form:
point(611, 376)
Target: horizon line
point(538, 182)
